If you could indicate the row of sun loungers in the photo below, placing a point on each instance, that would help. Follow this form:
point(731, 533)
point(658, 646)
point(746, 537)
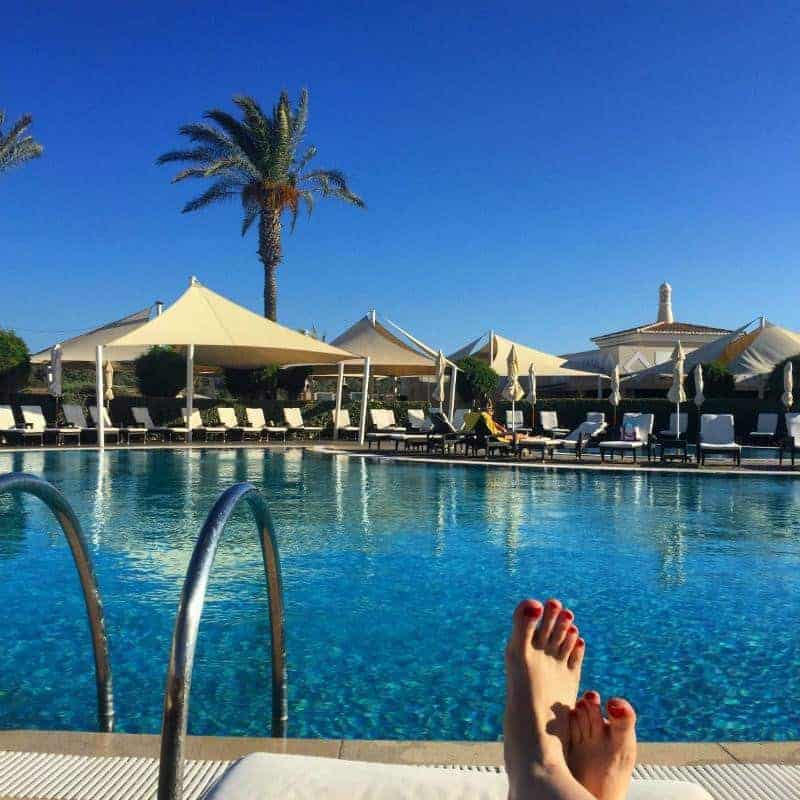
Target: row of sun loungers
point(35, 429)
point(437, 433)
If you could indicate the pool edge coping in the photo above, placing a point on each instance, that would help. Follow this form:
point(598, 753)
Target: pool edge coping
point(383, 751)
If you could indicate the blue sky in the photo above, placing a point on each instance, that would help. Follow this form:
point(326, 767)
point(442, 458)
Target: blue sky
point(536, 168)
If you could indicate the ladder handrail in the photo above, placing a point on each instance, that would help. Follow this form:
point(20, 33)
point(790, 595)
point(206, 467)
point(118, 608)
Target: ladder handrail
point(23, 483)
point(187, 623)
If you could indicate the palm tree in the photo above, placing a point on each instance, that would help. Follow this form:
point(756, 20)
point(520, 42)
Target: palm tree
point(257, 159)
point(15, 147)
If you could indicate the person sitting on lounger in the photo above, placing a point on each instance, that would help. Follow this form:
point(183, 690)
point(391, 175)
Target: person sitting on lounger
point(556, 746)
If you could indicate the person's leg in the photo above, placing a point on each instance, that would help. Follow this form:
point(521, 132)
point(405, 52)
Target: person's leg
point(602, 752)
point(543, 667)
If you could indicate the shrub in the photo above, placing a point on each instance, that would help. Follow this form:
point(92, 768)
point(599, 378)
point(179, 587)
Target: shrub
point(717, 381)
point(15, 362)
point(293, 380)
point(160, 372)
point(477, 381)
point(252, 383)
point(775, 383)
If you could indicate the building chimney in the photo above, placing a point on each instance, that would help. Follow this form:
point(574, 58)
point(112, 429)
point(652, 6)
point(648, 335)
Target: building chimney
point(159, 307)
point(665, 303)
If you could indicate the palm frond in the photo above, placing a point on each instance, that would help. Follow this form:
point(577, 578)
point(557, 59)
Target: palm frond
point(304, 160)
point(16, 149)
point(222, 190)
point(250, 214)
point(198, 155)
point(300, 119)
point(239, 132)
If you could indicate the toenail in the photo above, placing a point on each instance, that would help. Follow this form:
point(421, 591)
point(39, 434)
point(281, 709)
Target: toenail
point(572, 629)
point(580, 643)
point(552, 604)
point(532, 611)
point(616, 710)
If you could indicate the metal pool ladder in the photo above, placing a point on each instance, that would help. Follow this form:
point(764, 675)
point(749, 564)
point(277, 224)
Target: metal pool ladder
point(187, 623)
point(184, 640)
point(21, 483)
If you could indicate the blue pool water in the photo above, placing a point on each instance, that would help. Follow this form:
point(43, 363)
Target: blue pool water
point(399, 582)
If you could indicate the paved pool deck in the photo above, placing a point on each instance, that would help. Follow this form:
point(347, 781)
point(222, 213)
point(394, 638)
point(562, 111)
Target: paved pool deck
point(387, 752)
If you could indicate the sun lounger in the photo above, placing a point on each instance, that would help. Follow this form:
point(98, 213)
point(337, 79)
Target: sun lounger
point(636, 435)
point(578, 440)
point(129, 432)
point(12, 432)
point(343, 424)
point(418, 421)
point(142, 416)
point(549, 423)
point(766, 430)
point(516, 421)
point(791, 444)
point(255, 418)
point(209, 431)
point(227, 416)
point(544, 444)
point(717, 438)
point(38, 426)
point(108, 428)
point(684, 426)
point(458, 418)
point(384, 425)
point(273, 776)
point(295, 424)
point(76, 419)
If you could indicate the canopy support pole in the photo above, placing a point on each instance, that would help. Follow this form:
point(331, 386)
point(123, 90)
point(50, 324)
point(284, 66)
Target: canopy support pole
point(189, 391)
point(101, 422)
point(362, 425)
point(338, 410)
point(599, 387)
point(452, 405)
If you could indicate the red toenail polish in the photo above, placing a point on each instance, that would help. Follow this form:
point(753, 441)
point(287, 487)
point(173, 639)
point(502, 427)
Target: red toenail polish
point(616, 711)
point(532, 611)
point(568, 615)
point(580, 643)
point(572, 629)
point(552, 604)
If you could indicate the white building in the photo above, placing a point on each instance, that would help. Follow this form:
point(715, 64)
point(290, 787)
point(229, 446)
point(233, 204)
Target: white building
point(645, 345)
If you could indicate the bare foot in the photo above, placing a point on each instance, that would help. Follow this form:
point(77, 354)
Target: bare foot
point(602, 752)
point(543, 667)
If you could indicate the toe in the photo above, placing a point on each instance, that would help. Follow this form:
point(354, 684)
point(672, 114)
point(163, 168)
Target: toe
point(568, 644)
point(526, 616)
point(594, 712)
point(582, 717)
point(559, 632)
point(575, 736)
point(621, 717)
point(552, 609)
point(576, 656)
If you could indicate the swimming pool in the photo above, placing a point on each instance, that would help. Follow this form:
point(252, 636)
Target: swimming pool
point(399, 582)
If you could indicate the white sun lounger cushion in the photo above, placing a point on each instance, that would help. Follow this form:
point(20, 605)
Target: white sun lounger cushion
point(267, 776)
point(717, 430)
point(622, 445)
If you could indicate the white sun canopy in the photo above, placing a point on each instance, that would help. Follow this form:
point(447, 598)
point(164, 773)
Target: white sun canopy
point(225, 334)
point(81, 349)
point(494, 349)
point(217, 332)
point(391, 352)
point(750, 353)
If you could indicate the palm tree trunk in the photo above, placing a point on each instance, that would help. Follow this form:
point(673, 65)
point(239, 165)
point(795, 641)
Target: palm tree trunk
point(269, 251)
